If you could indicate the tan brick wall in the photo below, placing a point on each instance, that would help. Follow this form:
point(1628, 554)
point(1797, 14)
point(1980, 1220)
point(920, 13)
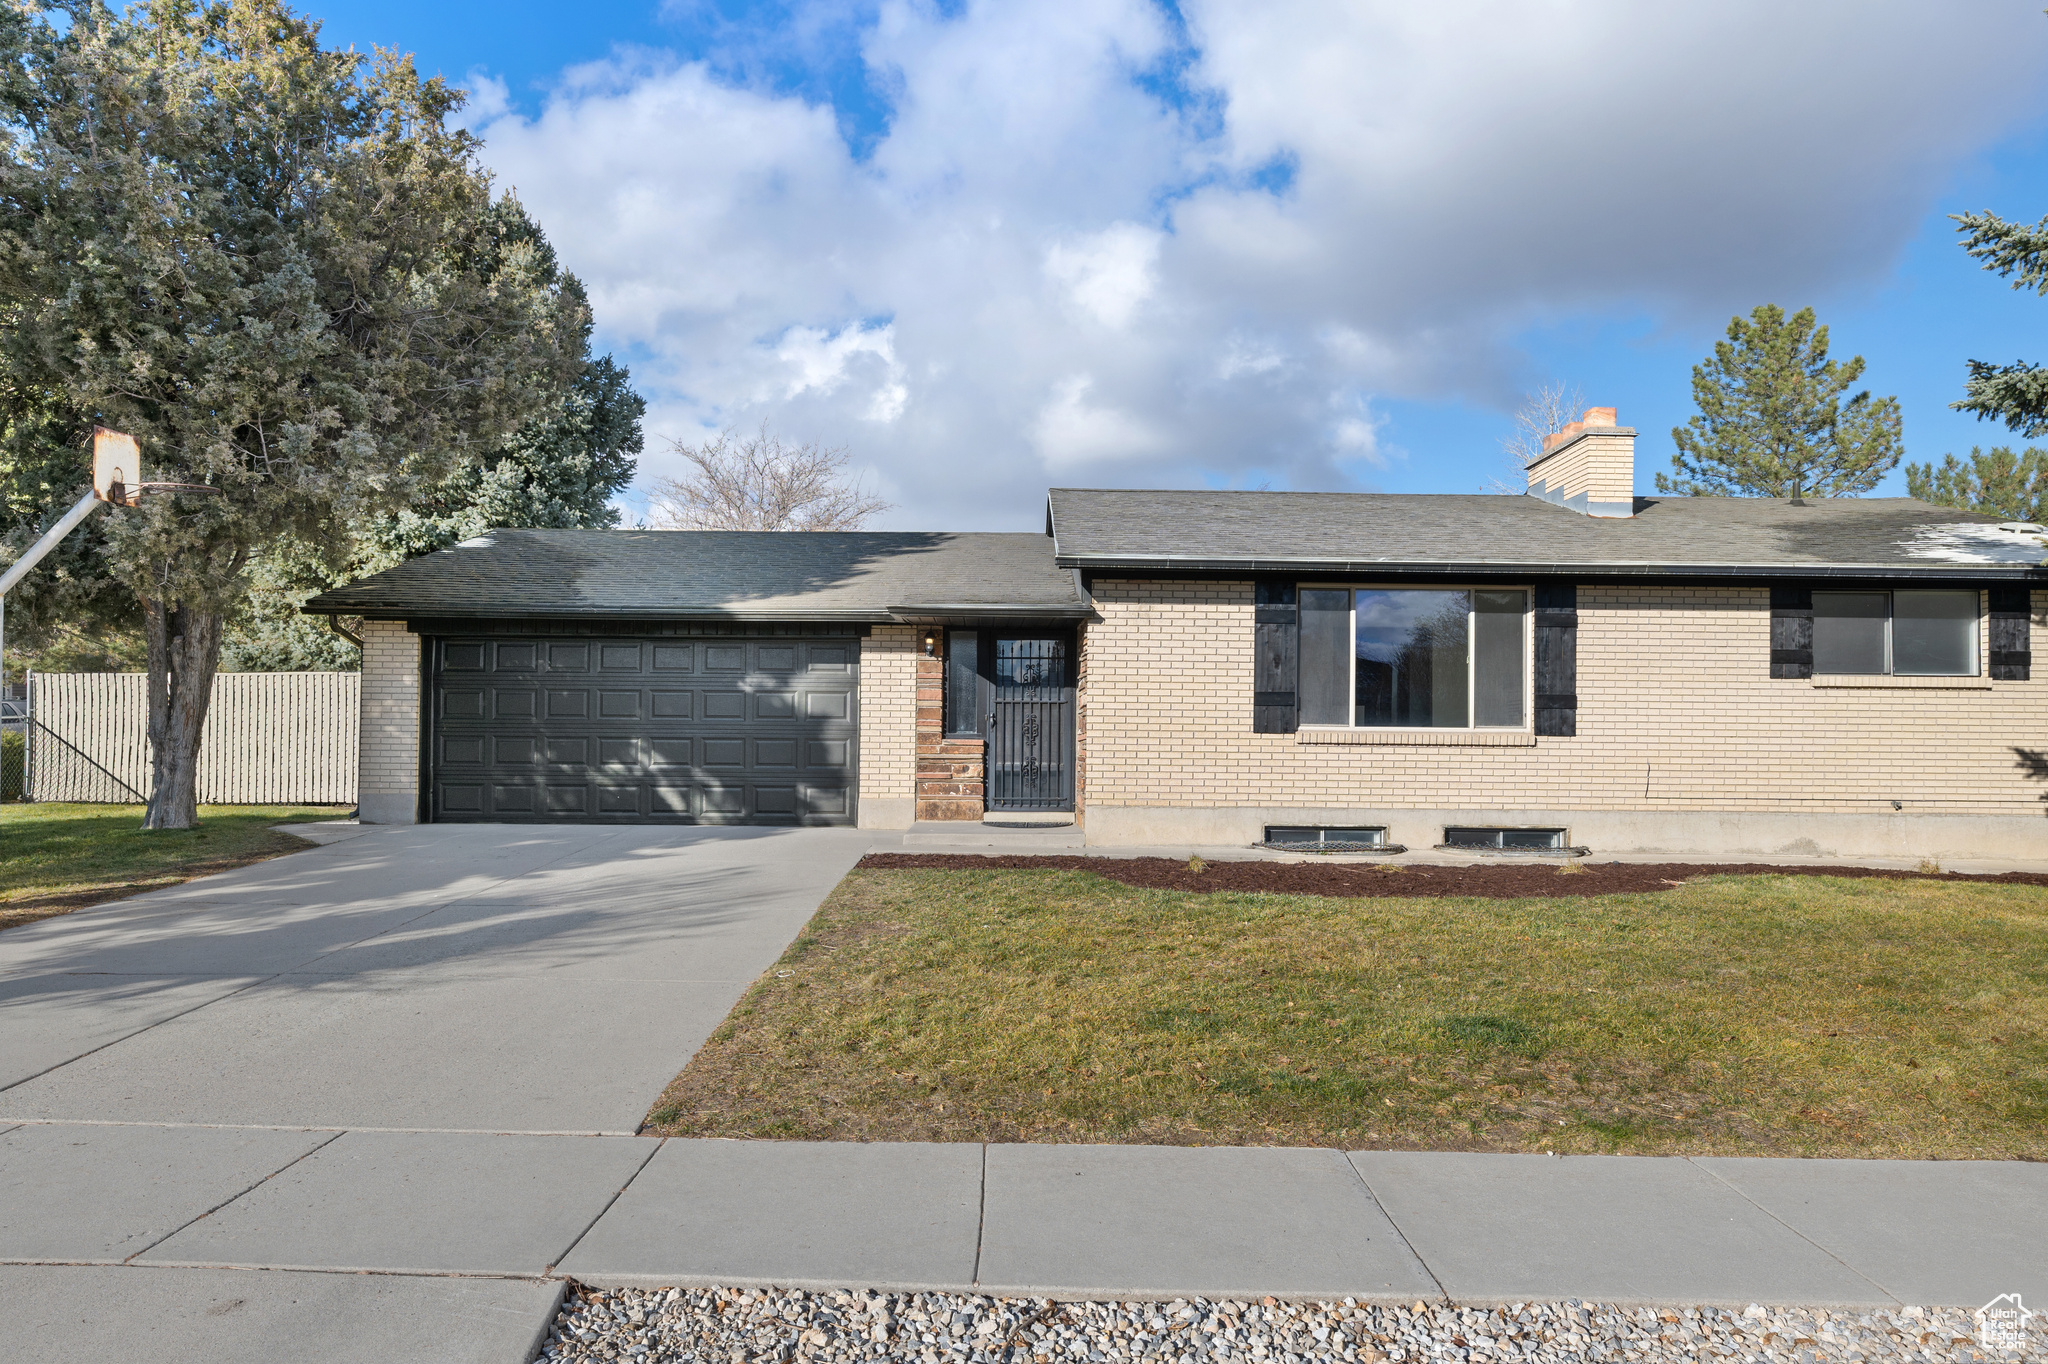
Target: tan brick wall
point(1677, 712)
point(888, 720)
point(388, 774)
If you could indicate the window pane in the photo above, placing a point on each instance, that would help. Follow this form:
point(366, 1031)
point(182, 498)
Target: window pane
point(1325, 687)
point(963, 710)
point(1412, 659)
point(1848, 631)
point(1497, 657)
point(1934, 634)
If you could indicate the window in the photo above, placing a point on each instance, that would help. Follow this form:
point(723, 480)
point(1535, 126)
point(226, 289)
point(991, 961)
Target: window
point(1310, 838)
point(1503, 838)
point(963, 699)
point(1413, 658)
point(1918, 633)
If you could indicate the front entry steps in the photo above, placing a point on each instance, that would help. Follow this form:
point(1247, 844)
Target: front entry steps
point(1006, 833)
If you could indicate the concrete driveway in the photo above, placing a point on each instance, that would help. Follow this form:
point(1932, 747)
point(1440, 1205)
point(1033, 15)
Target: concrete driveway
point(442, 978)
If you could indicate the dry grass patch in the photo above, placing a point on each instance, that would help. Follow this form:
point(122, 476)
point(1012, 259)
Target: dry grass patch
point(1786, 1015)
point(57, 858)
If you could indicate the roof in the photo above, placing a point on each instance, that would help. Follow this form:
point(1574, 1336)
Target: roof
point(1110, 530)
point(721, 575)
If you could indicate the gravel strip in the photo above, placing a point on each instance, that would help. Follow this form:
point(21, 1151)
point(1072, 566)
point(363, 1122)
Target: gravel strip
point(734, 1326)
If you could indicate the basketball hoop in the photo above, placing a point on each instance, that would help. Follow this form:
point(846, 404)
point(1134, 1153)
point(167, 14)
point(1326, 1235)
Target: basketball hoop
point(116, 481)
point(117, 471)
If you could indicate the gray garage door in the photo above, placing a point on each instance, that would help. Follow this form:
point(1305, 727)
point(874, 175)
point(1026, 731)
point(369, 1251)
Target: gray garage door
point(645, 729)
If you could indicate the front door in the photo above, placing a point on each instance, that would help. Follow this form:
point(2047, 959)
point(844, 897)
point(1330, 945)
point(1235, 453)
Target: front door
point(1031, 724)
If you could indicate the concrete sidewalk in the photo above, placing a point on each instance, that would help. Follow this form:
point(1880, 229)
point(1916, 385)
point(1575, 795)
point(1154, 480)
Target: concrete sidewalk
point(1038, 1220)
point(377, 1100)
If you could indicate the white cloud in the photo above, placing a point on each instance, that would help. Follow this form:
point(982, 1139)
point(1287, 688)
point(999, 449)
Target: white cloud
point(1072, 433)
point(1352, 199)
point(818, 361)
point(1108, 273)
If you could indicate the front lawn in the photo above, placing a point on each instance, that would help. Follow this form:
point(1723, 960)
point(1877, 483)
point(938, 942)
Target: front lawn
point(57, 858)
point(1777, 1015)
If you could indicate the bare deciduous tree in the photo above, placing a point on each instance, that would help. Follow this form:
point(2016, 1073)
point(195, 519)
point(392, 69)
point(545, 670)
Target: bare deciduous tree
point(1549, 409)
point(760, 483)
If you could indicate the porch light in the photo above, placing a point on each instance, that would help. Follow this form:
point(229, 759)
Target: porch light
point(931, 644)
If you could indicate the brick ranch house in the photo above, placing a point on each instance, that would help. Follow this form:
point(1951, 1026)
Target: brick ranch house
point(1578, 666)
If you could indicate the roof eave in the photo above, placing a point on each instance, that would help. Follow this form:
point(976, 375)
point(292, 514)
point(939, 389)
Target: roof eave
point(922, 614)
point(1171, 564)
point(864, 615)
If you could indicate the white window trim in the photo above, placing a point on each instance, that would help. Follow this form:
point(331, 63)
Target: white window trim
point(1528, 725)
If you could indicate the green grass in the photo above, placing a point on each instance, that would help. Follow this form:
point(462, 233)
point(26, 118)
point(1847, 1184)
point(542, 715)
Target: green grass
point(1737, 1014)
point(57, 858)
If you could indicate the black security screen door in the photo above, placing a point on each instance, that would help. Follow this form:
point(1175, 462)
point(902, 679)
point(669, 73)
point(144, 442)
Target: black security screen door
point(1031, 726)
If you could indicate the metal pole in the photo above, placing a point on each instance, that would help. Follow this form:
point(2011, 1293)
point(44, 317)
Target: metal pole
point(16, 571)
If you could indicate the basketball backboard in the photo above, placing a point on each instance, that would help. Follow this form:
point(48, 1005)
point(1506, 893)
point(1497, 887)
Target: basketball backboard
point(116, 467)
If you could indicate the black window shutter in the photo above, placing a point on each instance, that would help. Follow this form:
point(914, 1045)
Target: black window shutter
point(1276, 640)
point(2012, 656)
point(1791, 632)
point(1557, 661)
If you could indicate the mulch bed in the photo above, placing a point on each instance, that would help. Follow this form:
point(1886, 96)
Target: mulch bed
point(1486, 880)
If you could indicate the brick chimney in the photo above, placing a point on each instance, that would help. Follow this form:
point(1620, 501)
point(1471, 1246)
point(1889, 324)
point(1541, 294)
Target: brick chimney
point(1589, 466)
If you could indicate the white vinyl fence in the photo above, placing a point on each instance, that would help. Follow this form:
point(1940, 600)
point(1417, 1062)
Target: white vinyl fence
point(270, 738)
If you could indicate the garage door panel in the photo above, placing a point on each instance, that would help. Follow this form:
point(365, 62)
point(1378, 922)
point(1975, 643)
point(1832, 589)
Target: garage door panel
point(726, 731)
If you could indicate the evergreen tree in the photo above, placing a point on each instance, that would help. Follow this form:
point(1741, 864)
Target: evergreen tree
point(1773, 421)
point(281, 268)
point(2016, 394)
point(1999, 483)
point(559, 472)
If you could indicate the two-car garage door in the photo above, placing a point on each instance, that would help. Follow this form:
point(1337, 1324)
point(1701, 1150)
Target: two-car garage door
point(654, 729)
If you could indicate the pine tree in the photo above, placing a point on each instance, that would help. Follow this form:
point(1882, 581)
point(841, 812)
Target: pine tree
point(1773, 420)
point(2016, 394)
point(1998, 483)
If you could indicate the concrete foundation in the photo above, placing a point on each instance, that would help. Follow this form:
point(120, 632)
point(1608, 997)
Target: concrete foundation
point(1685, 833)
point(886, 812)
point(388, 807)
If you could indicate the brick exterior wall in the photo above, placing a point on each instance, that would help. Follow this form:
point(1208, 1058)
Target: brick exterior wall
point(388, 772)
point(1677, 712)
point(950, 772)
point(888, 725)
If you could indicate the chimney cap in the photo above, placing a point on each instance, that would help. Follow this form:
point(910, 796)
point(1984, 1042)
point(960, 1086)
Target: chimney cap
point(1595, 417)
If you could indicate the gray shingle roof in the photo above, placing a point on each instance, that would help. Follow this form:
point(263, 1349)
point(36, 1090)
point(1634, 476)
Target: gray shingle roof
point(734, 575)
point(1113, 530)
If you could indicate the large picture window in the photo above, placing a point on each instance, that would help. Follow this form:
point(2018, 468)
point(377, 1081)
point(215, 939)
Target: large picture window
point(1917, 633)
point(1413, 658)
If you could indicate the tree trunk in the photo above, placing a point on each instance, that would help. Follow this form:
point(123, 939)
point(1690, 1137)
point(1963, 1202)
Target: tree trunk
point(184, 653)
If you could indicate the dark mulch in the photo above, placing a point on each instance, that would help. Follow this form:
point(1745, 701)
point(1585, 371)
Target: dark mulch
point(1486, 880)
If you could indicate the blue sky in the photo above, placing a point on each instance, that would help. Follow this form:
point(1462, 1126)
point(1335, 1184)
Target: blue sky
point(986, 249)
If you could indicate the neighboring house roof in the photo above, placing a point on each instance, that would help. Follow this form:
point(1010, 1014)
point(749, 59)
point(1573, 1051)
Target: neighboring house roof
point(1105, 530)
point(721, 575)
